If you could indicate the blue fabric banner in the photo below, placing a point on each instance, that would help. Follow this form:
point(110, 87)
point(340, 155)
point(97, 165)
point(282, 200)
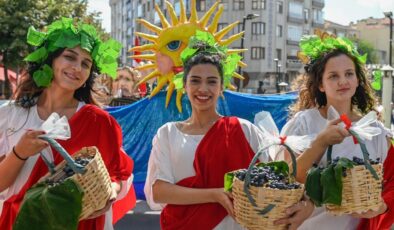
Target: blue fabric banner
point(141, 120)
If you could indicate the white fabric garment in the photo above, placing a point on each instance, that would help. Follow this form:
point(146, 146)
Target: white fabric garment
point(172, 158)
point(311, 122)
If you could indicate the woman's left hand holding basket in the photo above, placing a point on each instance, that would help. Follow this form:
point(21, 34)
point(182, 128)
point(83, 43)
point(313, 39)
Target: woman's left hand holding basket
point(116, 188)
point(297, 214)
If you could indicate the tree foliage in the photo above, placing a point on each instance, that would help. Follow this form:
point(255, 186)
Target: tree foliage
point(363, 47)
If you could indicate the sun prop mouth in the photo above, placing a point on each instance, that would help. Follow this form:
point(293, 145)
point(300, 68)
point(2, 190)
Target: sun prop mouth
point(177, 69)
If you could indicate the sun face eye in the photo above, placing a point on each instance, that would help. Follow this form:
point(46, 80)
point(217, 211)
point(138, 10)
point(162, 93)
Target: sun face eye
point(174, 45)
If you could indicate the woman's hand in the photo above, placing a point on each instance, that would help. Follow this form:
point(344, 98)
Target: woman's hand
point(115, 191)
point(30, 144)
point(297, 214)
point(332, 134)
point(224, 199)
point(371, 213)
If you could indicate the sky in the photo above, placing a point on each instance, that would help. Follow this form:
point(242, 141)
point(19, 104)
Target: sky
point(339, 11)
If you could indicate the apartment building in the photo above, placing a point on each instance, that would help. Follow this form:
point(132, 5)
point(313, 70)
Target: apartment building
point(271, 38)
point(377, 32)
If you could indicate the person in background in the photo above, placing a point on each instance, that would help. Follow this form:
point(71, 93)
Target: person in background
point(59, 80)
point(125, 83)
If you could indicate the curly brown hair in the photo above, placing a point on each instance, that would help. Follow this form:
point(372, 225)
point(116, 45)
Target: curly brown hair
point(310, 95)
point(28, 89)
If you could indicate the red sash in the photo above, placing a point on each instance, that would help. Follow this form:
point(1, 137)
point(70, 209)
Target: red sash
point(385, 220)
point(90, 126)
point(223, 149)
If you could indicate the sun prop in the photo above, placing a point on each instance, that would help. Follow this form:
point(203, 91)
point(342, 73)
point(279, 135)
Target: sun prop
point(168, 42)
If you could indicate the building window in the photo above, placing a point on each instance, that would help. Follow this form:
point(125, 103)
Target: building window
point(306, 15)
point(238, 4)
point(201, 5)
point(222, 25)
point(318, 16)
point(258, 28)
point(279, 7)
point(294, 33)
point(148, 6)
point(279, 54)
point(258, 53)
point(224, 3)
point(279, 32)
point(258, 4)
point(238, 29)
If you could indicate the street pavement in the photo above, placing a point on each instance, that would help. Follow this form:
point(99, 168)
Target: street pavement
point(141, 218)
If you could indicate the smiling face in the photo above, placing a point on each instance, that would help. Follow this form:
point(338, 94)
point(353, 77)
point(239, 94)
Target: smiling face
point(203, 86)
point(339, 82)
point(71, 69)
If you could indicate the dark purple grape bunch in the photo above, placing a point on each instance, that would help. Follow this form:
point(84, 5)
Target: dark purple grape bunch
point(359, 161)
point(266, 176)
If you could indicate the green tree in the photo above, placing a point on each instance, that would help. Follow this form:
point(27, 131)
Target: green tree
point(363, 47)
point(16, 16)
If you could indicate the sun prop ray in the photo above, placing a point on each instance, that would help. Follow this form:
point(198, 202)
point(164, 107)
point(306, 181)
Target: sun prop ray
point(172, 38)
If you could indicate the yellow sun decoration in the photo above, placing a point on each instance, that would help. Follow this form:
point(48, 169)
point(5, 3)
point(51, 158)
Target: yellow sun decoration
point(172, 38)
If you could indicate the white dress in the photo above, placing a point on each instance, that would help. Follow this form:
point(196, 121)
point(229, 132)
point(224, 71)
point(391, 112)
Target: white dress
point(311, 122)
point(172, 158)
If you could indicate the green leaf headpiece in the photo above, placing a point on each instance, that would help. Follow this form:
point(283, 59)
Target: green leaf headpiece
point(63, 34)
point(204, 42)
point(316, 46)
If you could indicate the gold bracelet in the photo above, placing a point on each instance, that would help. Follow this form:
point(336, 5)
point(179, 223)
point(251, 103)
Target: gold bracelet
point(17, 155)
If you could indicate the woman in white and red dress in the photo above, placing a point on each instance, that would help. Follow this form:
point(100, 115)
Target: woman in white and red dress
point(61, 81)
point(189, 158)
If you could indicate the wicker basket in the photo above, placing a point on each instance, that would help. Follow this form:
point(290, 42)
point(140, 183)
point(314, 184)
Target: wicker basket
point(360, 192)
point(247, 215)
point(95, 182)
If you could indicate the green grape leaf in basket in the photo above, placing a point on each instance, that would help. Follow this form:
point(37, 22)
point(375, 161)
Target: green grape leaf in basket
point(47, 207)
point(313, 185)
point(228, 181)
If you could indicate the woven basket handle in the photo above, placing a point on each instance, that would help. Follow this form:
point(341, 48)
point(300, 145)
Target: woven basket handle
point(77, 168)
point(363, 150)
point(269, 207)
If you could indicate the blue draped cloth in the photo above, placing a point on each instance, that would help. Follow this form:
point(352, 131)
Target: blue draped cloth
point(141, 120)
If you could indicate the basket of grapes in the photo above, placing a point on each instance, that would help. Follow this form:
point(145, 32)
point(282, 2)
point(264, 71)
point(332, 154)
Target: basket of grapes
point(86, 171)
point(345, 185)
point(262, 192)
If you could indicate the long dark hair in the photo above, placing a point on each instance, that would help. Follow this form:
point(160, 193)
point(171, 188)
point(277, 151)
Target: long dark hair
point(310, 95)
point(28, 91)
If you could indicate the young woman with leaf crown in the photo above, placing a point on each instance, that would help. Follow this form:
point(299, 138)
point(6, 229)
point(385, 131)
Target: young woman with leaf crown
point(335, 77)
point(60, 79)
point(189, 158)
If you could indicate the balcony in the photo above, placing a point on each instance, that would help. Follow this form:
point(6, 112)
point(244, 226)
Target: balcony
point(293, 64)
point(317, 23)
point(318, 3)
point(295, 18)
point(292, 42)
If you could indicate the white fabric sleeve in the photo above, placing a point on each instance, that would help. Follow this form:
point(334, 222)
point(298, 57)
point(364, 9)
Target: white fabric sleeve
point(4, 114)
point(159, 166)
point(255, 138)
point(296, 126)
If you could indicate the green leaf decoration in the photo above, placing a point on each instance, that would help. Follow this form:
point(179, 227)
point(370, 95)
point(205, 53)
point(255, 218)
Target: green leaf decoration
point(38, 55)
point(34, 37)
point(377, 79)
point(51, 207)
point(43, 77)
point(63, 34)
point(313, 186)
point(314, 47)
point(278, 166)
point(228, 181)
point(178, 80)
point(332, 188)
